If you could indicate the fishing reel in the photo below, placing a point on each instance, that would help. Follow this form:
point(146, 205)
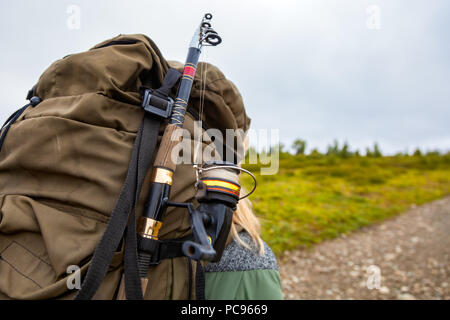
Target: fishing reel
point(218, 193)
point(207, 34)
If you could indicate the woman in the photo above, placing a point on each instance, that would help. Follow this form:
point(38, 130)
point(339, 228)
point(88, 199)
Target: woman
point(248, 269)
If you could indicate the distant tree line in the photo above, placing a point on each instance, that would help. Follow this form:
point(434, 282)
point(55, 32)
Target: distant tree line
point(298, 147)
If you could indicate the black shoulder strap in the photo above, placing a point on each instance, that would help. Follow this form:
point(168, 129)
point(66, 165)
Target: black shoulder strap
point(9, 122)
point(148, 143)
point(34, 101)
point(141, 158)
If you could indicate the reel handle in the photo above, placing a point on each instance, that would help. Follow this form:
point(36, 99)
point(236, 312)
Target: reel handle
point(202, 249)
point(198, 252)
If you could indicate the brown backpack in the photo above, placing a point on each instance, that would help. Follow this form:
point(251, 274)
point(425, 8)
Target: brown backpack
point(77, 154)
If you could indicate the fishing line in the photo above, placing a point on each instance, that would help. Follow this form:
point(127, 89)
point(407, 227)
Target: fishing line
point(203, 73)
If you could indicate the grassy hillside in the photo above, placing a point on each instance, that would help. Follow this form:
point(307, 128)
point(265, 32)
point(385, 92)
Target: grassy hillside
point(318, 197)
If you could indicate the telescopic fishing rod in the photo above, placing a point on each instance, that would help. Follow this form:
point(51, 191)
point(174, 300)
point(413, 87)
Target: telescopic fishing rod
point(217, 189)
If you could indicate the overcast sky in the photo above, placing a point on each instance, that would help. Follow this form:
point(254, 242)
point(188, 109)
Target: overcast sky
point(357, 71)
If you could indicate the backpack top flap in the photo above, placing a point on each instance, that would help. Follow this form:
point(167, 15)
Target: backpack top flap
point(223, 106)
point(116, 68)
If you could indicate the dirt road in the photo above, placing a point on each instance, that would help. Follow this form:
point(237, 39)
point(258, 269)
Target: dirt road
point(407, 257)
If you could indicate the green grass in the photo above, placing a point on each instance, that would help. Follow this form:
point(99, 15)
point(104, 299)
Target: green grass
point(313, 198)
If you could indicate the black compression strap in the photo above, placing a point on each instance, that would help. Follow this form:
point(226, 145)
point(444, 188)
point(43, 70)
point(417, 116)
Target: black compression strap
point(163, 249)
point(190, 279)
point(200, 282)
point(141, 156)
point(170, 79)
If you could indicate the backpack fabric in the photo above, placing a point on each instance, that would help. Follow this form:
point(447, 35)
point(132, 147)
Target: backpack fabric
point(64, 161)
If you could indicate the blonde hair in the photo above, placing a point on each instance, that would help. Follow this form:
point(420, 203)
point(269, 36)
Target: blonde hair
point(247, 220)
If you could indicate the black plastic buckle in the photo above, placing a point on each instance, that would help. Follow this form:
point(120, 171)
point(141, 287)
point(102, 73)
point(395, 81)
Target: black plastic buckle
point(35, 100)
point(155, 258)
point(162, 109)
point(151, 246)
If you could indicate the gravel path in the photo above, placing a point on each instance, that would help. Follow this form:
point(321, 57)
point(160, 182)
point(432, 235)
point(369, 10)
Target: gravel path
point(407, 257)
